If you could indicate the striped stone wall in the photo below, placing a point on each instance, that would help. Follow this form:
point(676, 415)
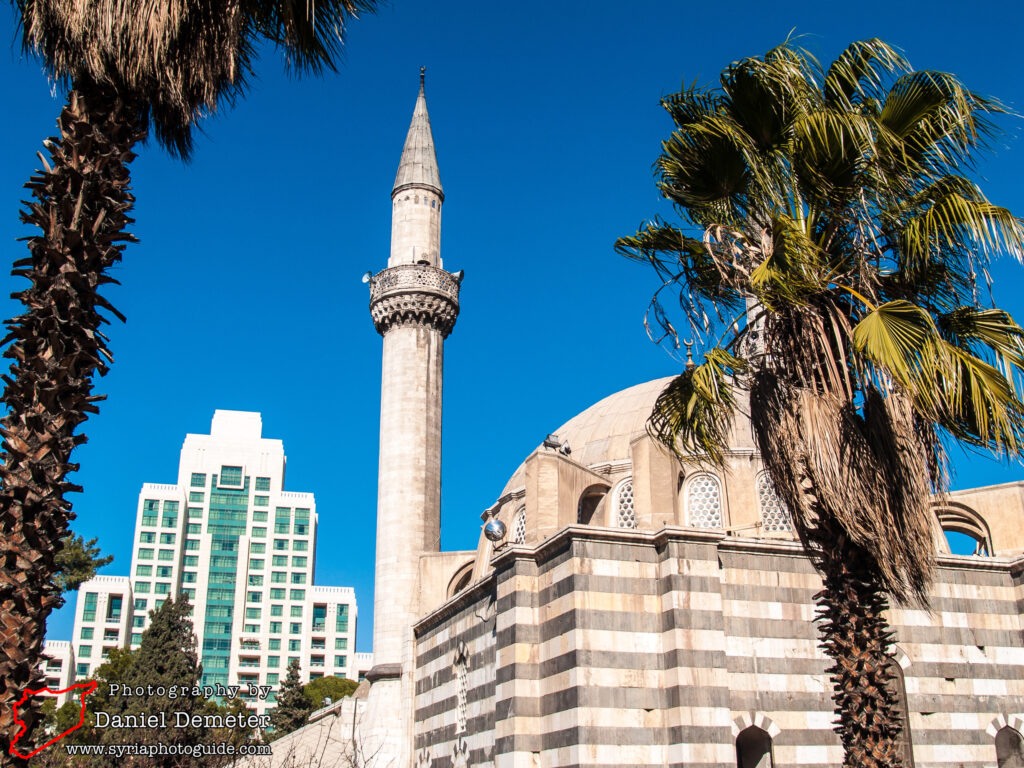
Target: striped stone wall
point(462, 632)
point(608, 647)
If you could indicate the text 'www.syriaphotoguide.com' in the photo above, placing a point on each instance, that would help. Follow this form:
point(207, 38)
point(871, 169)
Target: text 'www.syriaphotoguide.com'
point(153, 750)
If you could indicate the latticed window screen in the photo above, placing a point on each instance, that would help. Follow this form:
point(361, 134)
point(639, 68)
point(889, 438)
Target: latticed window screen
point(461, 695)
point(774, 515)
point(519, 527)
point(625, 511)
point(704, 501)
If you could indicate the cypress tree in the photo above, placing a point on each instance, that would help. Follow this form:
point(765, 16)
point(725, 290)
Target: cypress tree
point(166, 660)
point(293, 708)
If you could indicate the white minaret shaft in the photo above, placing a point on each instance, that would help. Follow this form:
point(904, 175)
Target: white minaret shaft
point(414, 304)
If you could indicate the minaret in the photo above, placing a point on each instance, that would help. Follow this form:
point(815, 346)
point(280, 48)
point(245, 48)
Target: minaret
point(414, 304)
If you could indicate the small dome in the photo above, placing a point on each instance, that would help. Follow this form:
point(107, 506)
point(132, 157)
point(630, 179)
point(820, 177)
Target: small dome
point(603, 432)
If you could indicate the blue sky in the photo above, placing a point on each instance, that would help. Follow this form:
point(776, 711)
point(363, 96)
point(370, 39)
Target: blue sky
point(244, 292)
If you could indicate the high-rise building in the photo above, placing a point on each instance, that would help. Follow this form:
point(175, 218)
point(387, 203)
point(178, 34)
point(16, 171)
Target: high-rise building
point(243, 550)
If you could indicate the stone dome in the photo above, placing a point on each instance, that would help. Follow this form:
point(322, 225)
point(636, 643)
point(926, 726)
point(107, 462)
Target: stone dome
point(602, 433)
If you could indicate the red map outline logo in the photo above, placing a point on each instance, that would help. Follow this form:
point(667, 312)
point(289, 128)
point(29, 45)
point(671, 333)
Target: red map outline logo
point(87, 688)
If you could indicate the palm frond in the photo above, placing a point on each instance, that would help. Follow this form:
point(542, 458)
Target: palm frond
point(856, 73)
point(931, 123)
point(955, 224)
point(180, 59)
point(693, 415)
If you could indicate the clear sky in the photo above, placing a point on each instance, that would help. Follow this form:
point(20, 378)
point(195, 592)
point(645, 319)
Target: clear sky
point(244, 292)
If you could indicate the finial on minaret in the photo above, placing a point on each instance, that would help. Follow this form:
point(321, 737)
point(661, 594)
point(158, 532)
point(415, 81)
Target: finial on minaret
point(690, 365)
point(423, 76)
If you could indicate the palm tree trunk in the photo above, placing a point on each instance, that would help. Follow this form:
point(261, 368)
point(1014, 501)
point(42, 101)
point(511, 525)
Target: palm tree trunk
point(81, 205)
point(856, 637)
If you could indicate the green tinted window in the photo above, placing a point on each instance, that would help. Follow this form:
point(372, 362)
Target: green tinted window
point(262, 483)
point(198, 480)
point(231, 476)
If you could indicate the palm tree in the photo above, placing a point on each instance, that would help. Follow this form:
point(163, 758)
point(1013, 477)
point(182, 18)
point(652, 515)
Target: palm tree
point(831, 277)
point(131, 68)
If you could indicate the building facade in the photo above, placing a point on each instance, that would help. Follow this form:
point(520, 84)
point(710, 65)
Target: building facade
point(243, 550)
point(639, 610)
point(635, 609)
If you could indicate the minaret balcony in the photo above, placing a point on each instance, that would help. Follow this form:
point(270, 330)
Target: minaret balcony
point(414, 294)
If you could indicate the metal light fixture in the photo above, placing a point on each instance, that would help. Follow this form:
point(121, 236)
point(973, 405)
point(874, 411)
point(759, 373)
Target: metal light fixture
point(495, 530)
point(367, 277)
point(457, 276)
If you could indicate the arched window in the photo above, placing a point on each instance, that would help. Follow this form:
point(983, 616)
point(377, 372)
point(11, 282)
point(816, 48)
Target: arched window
point(460, 580)
point(898, 688)
point(625, 509)
point(519, 527)
point(754, 748)
point(1009, 748)
point(965, 532)
point(774, 515)
point(704, 501)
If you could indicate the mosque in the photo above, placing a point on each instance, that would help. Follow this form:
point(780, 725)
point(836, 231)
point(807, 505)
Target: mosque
point(637, 611)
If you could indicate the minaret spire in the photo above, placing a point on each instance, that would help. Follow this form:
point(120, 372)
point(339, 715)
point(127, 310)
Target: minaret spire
point(418, 166)
point(417, 196)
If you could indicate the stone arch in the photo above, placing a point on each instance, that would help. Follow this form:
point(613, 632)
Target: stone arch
point(461, 579)
point(901, 658)
point(590, 510)
point(957, 518)
point(754, 741)
point(759, 719)
point(704, 501)
point(1006, 731)
point(898, 687)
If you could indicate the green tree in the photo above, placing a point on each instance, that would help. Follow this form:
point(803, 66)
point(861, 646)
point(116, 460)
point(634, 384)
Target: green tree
point(130, 69)
point(293, 708)
point(826, 263)
point(77, 561)
point(166, 659)
point(333, 688)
